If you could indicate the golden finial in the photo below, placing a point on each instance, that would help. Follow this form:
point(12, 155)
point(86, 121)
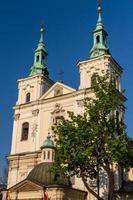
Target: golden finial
point(99, 9)
point(42, 29)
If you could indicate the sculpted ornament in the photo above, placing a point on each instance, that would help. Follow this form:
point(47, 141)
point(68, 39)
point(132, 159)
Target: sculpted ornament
point(80, 103)
point(57, 108)
point(58, 91)
point(27, 86)
point(16, 117)
point(35, 112)
point(34, 130)
point(57, 113)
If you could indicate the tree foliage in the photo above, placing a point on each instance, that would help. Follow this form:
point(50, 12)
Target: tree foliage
point(96, 137)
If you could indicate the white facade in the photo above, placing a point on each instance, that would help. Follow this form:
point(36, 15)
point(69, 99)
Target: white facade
point(41, 102)
point(48, 101)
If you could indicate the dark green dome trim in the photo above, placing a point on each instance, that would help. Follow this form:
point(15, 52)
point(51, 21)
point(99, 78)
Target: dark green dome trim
point(48, 143)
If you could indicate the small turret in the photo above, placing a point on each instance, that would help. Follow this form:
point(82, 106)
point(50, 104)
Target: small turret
point(48, 150)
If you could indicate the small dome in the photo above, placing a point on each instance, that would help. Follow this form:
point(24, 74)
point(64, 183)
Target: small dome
point(42, 174)
point(48, 143)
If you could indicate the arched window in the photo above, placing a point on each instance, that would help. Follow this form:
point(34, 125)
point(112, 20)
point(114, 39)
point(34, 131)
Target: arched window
point(25, 131)
point(103, 38)
point(43, 57)
point(53, 156)
point(37, 58)
point(48, 155)
point(98, 38)
point(44, 155)
point(27, 98)
point(117, 83)
point(118, 121)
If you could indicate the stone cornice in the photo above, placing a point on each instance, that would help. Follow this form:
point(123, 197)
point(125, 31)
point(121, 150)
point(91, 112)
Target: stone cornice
point(35, 112)
point(25, 154)
point(16, 116)
point(54, 99)
point(99, 58)
point(36, 76)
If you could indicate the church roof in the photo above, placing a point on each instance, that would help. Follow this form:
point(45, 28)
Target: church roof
point(57, 89)
point(42, 174)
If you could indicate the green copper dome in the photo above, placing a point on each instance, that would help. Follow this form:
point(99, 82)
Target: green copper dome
point(48, 143)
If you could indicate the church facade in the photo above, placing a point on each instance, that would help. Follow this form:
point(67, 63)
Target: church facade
point(40, 104)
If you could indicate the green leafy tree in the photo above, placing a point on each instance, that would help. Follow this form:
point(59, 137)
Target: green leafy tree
point(95, 140)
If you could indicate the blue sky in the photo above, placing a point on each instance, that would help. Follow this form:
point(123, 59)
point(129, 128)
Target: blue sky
point(69, 25)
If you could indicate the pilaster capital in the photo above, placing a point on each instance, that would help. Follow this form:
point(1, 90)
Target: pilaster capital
point(16, 117)
point(35, 112)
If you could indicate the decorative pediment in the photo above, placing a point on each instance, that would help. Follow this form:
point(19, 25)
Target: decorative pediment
point(25, 186)
point(58, 89)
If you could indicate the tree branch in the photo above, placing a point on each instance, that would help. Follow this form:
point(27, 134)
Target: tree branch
point(89, 189)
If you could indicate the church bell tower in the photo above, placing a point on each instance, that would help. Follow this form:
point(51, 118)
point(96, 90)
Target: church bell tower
point(38, 81)
point(99, 38)
point(40, 58)
point(30, 89)
point(100, 60)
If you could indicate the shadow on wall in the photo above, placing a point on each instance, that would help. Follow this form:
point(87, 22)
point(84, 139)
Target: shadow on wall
point(103, 184)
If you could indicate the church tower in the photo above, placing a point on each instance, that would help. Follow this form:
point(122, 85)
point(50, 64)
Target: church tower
point(100, 60)
point(38, 82)
point(40, 57)
point(30, 89)
point(26, 128)
point(99, 38)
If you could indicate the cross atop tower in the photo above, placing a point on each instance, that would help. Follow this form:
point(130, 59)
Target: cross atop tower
point(99, 9)
point(61, 74)
point(99, 2)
